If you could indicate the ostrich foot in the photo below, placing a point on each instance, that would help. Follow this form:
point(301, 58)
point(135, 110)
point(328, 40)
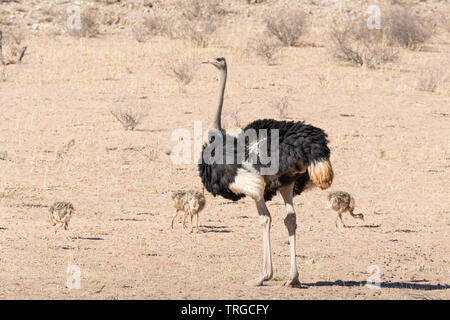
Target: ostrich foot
point(255, 282)
point(292, 282)
point(258, 281)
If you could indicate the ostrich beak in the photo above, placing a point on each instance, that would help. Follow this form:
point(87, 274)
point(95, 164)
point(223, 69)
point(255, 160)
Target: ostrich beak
point(210, 61)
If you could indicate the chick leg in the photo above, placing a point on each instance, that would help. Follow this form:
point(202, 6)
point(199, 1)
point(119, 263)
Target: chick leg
point(197, 223)
point(339, 216)
point(176, 213)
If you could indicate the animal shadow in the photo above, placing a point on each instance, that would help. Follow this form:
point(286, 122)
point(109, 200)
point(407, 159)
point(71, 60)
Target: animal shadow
point(216, 229)
point(414, 285)
point(87, 238)
point(365, 226)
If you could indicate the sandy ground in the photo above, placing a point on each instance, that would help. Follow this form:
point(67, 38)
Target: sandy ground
point(390, 150)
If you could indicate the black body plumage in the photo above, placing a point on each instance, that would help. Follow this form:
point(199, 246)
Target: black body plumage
point(297, 141)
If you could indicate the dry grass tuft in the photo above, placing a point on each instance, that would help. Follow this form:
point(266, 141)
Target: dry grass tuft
point(282, 107)
point(130, 117)
point(7, 192)
point(431, 76)
point(287, 24)
point(60, 154)
point(182, 71)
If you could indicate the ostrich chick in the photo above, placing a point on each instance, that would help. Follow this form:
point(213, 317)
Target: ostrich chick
point(61, 212)
point(191, 202)
point(340, 202)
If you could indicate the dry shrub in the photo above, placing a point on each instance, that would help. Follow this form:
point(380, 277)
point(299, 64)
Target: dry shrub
point(287, 24)
point(431, 76)
point(406, 29)
point(198, 31)
point(196, 21)
point(182, 71)
point(196, 9)
point(154, 25)
point(89, 26)
point(199, 19)
point(140, 33)
point(130, 117)
point(352, 41)
point(266, 48)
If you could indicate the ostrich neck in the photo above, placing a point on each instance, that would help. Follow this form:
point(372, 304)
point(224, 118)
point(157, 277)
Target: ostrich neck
point(220, 92)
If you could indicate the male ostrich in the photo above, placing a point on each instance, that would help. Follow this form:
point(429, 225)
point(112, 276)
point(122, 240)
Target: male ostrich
point(303, 157)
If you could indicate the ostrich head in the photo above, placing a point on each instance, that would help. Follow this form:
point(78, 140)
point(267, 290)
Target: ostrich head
point(218, 62)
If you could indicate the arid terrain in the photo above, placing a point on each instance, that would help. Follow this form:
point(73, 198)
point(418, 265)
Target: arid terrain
point(389, 141)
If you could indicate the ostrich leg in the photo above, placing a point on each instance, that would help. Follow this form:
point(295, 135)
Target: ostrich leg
point(291, 224)
point(265, 219)
point(340, 217)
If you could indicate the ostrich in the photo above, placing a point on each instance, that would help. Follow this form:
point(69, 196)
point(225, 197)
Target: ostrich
point(191, 202)
point(303, 161)
point(61, 212)
point(340, 202)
